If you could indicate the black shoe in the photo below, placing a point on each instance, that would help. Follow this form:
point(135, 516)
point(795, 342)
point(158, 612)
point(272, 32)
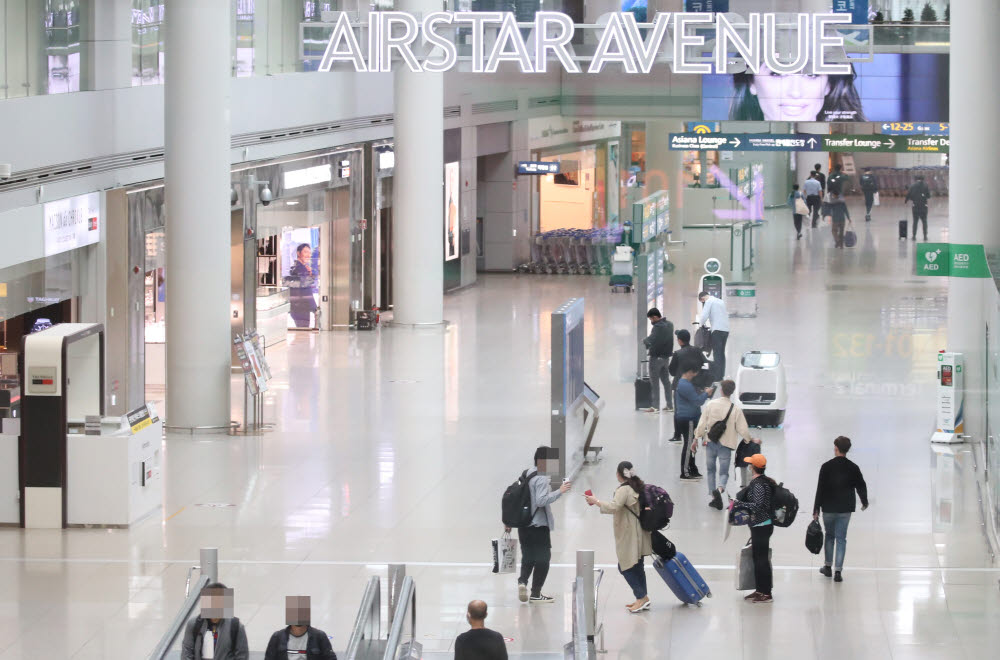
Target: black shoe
point(690, 477)
point(825, 571)
point(837, 578)
point(798, 237)
point(716, 502)
point(868, 218)
point(675, 441)
point(914, 237)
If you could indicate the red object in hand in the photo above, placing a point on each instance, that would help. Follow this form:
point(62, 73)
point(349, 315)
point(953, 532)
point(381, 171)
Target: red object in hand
point(589, 493)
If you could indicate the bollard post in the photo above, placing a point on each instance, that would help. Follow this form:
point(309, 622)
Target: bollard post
point(210, 563)
point(585, 571)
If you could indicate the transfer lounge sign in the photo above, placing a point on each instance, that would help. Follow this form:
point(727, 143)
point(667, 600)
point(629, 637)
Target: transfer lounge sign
point(952, 260)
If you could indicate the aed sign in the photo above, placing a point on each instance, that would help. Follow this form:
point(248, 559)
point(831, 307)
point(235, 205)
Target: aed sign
point(952, 260)
point(72, 223)
point(427, 42)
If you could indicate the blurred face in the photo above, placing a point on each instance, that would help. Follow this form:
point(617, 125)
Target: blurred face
point(305, 255)
point(298, 631)
point(796, 97)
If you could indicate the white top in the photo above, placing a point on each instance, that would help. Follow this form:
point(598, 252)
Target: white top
point(715, 313)
point(297, 646)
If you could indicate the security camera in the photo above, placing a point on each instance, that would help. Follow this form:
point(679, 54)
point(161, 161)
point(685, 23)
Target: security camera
point(266, 196)
point(6, 170)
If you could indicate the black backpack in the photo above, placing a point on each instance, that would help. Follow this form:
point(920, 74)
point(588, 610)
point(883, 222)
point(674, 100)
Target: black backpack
point(719, 428)
point(655, 508)
point(515, 505)
point(785, 506)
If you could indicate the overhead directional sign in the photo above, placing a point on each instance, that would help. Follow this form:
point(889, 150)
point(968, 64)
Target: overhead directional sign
point(537, 167)
point(914, 128)
point(806, 142)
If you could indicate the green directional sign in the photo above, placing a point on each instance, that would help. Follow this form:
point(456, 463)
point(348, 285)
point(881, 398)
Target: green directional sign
point(808, 142)
point(886, 143)
point(952, 260)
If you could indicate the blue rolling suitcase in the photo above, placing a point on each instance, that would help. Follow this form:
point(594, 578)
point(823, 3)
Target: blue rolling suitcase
point(683, 579)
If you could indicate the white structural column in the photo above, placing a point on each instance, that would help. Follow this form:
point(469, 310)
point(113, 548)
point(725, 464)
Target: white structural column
point(418, 190)
point(975, 97)
point(196, 111)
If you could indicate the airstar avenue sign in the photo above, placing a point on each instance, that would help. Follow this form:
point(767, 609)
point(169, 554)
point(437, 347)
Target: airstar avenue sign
point(427, 42)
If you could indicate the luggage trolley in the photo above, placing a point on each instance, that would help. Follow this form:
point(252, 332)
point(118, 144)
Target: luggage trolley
point(761, 389)
point(621, 270)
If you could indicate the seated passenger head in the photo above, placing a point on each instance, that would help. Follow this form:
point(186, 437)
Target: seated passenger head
point(728, 387)
point(654, 315)
point(217, 602)
point(476, 612)
point(843, 445)
point(683, 336)
point(297, 614)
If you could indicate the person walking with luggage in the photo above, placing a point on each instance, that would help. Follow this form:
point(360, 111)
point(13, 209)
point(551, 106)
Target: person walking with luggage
point(722, 426)
point(839, 217)
point(839, 479)
point(798, 204)
point(715, 313)
point(689, 403)
point(813, 191)
point(918, 194)
point(869, 186)
point(632, 542)
point(536, 538)
point(756, 498)
point(660, 344)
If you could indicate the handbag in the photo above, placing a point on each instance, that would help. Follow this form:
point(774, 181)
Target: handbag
point(814, 537)
point(504, 554)
point(719, 428)
point(746, 578)
point(850, 238)
point(801, 208)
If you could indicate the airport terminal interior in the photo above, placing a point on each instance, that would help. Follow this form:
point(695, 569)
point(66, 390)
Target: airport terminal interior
point(293, 293)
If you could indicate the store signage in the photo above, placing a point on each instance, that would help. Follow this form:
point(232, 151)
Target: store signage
point(386, 160)
point(807, 142)
point(140, 418)
point(536, 167)
point(553, 131)
point(72, 223)
point(952, 260)
point(309, 176)
point(702, 126)
point(391, 36)
point(914, 128)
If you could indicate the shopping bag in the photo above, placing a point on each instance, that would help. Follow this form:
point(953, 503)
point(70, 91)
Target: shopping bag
point(876, 201)
point(746, 579)
point(504, 554)
point(800, 206)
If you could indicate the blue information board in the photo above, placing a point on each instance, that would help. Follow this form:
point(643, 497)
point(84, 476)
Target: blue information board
point(913, 128)
point(858, 9)
point(706, 5)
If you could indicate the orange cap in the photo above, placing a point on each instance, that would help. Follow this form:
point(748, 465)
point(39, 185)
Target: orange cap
point(757, 460)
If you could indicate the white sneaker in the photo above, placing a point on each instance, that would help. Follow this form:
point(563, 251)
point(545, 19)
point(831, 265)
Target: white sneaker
point(542, 599)
point(522, 592)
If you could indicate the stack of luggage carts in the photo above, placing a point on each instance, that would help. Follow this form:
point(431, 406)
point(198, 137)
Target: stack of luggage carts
point(894, 181)
point(573, 251)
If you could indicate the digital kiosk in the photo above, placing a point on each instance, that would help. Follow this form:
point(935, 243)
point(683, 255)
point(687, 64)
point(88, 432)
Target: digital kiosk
point(77, 467)
point(950, 399)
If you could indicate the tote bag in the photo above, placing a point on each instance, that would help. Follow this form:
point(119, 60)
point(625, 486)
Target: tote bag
point(800, 206)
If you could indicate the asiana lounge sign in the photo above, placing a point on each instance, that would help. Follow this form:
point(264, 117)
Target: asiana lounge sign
point(694, 43)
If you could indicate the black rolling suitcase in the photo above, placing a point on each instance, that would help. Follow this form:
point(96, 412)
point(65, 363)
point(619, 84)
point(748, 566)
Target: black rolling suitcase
point(643, 388)
point(902, 229)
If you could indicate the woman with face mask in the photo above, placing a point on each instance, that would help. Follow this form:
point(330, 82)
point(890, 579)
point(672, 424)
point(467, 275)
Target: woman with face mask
point(632, 542)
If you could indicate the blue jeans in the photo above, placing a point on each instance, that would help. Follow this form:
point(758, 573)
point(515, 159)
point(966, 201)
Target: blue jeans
point(717, 452)
point(835, 526)
point(636, 578)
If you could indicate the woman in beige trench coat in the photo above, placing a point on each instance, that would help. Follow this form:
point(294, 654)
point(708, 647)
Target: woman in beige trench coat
point(632, 542)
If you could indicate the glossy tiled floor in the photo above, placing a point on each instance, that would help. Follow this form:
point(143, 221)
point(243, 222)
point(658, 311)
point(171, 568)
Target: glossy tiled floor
point(394, 446)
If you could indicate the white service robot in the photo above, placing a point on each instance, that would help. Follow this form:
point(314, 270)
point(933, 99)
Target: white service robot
point(761, 389)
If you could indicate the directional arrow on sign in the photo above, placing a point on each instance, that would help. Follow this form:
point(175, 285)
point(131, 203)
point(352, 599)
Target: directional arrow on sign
point(892, 143)
point(736, 142)
point(811, 142)
point(885, 127)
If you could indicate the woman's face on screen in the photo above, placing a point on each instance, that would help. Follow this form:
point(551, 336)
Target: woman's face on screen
point(792, 97)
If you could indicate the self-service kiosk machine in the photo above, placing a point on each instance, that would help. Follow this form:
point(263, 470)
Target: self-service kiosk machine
point(77, 467)
point(950, 399)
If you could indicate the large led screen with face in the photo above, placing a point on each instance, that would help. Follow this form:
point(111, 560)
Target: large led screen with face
point(892, 87)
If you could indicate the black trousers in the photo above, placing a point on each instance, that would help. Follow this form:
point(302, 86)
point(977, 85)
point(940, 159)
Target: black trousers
point(760, 541)
point(797, 219)
point(719, 339)
point(536, 554)
point(814, 202)
point(919, 214)
point(869, 201)
point(684, 429)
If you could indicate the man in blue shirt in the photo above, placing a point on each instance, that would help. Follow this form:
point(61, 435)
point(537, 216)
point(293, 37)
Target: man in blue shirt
point(686, 414)
point(813, 191)
point(714, 312)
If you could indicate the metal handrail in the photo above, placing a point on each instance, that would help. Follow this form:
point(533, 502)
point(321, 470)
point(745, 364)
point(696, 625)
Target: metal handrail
point(368, 624)
point(160, 652)
point(406, 608)
point(580, 644)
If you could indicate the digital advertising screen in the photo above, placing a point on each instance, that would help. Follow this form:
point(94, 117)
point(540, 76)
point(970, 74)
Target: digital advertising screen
point(451, 207)
point(892, 87)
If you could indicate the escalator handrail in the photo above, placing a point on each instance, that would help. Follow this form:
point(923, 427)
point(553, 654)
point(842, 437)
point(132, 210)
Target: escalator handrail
point(368, 624)
point(406, 607)
point(167, 641)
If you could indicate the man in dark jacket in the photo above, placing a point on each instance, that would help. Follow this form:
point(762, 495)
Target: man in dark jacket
point(819, 176)
point(216, 633)
point(479, 642)
point(299, 639)
point(660, 344)
point(839, 478)
point(838, 180)
point(919, 193)
point(869, 186)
